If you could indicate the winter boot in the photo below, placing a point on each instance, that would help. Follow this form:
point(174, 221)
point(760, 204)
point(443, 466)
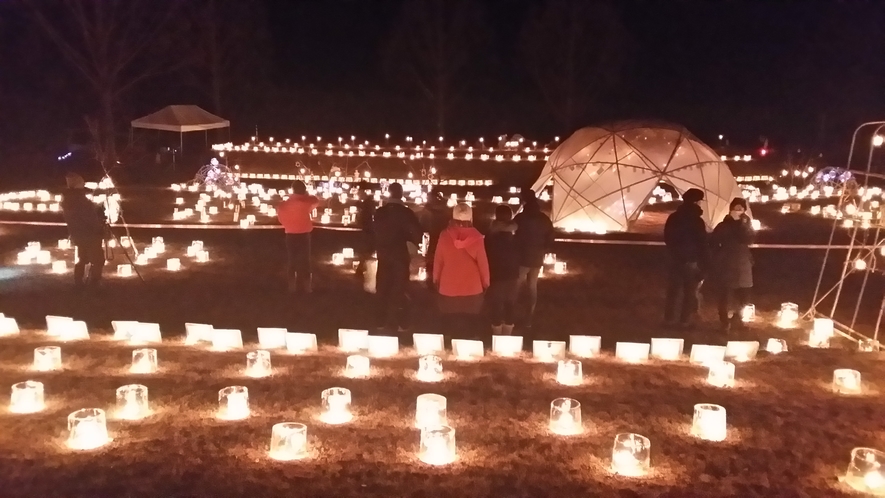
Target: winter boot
point(496, 329)
point(507, 329)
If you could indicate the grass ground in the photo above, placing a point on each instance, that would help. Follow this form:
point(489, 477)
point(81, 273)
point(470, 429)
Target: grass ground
point(789, 435)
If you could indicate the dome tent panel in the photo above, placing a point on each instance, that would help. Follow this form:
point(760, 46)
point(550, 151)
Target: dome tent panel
point(654, 146)
point(627, 155)
point(683, 156)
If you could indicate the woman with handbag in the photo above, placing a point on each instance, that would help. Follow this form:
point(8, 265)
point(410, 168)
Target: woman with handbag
point(460, 273)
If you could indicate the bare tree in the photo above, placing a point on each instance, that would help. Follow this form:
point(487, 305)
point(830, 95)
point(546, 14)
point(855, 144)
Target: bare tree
point(229, 44)
point(573, 52)
point(114, 45)
point(433, 46)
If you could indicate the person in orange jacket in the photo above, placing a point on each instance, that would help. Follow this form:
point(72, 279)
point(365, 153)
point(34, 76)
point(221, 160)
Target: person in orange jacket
point(294, 215)
point(461, 272)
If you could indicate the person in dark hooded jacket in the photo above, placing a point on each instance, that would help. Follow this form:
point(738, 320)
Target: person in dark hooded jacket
point(731, 269)
point(434, 219)
point(534, 236)
point(86, 226)
point(685, 235)
point(503, 271)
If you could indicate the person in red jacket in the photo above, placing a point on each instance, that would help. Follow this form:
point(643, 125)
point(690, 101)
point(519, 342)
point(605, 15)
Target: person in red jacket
point(461, 272)
point(294, 215)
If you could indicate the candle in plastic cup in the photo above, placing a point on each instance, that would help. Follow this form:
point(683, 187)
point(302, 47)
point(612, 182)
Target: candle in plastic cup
point(430, 411)
point(866, 471)
point(27, 397)
point(233, 403)
point(631, 455)
point(47, 358)
point(87, 429)
point(288, 441)
point(357, 366)
point(846, 381)
point(336, 406)
point(144, 361)
point(569, 373)
point(258, 363)
point(709, 422)
point(565, 417)
point(437, 445)
point(132, 402)
point(721, 374)
point(430, 369)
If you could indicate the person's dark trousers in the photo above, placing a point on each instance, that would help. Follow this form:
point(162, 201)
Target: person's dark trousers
point(364, 251)
point(683, 281)
point(501, 301)
point(460, 325)
point(89, 252)
point(298, 269)
point(732, 301)
point(527, 287)
point(391, 284)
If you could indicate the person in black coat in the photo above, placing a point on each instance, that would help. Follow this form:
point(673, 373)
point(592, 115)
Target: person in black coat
point(434, 219)
point(503, 258)
point(731, 271)
point(534, 236)
point(365, 220)
point(395, 227)
point(685, 235)
point(86, 226)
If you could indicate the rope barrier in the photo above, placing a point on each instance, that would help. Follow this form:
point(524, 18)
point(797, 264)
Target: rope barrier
point(158, 226)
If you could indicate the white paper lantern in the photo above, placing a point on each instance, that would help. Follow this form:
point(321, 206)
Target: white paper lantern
point(863, 345)
point(258, 364)
point(776, 346)
point(708, 422)
point(565, 417)
point(55, 324)
point(47, 358)
point(352, 341)
point(202, 256)
point(146, 333)
point(508, 346)
point(720, 374)
point(336, 406)
point(300, 342)
point(75, 330)
point(197, 333)
point(288, 441)
point(226, 339)
point(569, 373)
point(347, 252)
point(585, 346)
point(430, 369)
point(64, 244)
point(748, 313)
point(383, 346)
point(741, 351)
point(337, 259)
point(437, 446)
point(703, 354)
point(632, 352)
point(846, 381)
point(144, 361)
point(233, 403)
point(44, 258)
point(467, 350)
point(357, 366)
point(631, 455)
point(173, 264)
point(132, 402)
point(272, 338)
point(430, 411)
point(140, 260)
point(87, 429)
point(59, 266)
point(548, 351)
point(667, 349)
point(549, 258)
point(560, 268)
point(428, 344)
point(866, 471)
point(27, 397)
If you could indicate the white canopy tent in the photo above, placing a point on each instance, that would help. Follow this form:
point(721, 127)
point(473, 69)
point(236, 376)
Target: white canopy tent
point(181, 119)
point(603, 176)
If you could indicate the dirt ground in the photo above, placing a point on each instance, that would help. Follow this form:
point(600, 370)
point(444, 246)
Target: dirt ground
point(788, 434)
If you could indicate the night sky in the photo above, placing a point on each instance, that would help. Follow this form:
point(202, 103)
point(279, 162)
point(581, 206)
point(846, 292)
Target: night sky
point(801, 73)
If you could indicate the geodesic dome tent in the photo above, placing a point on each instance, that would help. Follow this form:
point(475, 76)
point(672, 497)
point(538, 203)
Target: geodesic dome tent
point(603, 176)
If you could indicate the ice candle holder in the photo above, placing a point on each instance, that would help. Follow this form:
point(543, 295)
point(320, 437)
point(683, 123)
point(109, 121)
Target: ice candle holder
point(721, 374)
point(865, 471)
point(708, 422)
point(27, 397)
point(430, 369)
point(428, 344)
point(748, 313)
point(631, 455)
point(846, 381)
point(776, 346)
point(508, 346)
point(357, 366)
point(258, 363)
point(863, 345)
point(87, 429)
point(430, 411)
point(233, 403)
point(667, 349)
point(144, 361)
point(788, 316)
point(47, 358)
point(173, 264)
point(632, 352)
point(585, 346)
point(132, 402)
point(569, 373)
point(288, 441)
point(437, 445)
point(336, 406)
point(565, 417)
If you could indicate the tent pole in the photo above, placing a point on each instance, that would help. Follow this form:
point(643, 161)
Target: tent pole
point(180, 144)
